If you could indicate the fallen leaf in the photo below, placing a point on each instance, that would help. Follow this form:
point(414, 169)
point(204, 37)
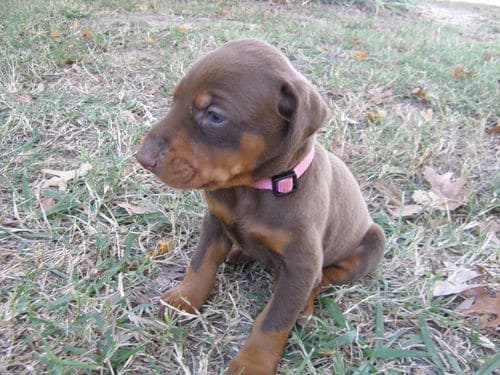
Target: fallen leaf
point(460, 71)
point(328, 351)
point(24, 99)
point(420, 92)
point(47, 203)
point(445, 194)
point(8, 222)
point(444, 187)
point(134, 209)
point(39, 88)
point(56, 34)
point(61, 178)
point(376, 116)
point(360, 55)
point(406, 210)
point(456, 281)
point(323, 47)
point(151, 40)
point(86, 34)
point(474, 292)
point(492, 230)
point(69, 61)
point(184, 29)
point(394, 198)
point(488, 308)
point(162, 248)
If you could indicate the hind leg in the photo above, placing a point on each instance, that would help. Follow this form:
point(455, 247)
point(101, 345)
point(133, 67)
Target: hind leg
point(364, 260)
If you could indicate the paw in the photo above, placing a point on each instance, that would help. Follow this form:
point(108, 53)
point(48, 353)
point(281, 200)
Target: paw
point(252, 362)
point(178, 298)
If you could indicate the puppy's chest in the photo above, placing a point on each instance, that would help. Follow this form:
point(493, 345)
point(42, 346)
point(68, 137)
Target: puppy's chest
point(248, 228)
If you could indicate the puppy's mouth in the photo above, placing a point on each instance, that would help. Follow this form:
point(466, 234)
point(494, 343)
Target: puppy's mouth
point(183, 164)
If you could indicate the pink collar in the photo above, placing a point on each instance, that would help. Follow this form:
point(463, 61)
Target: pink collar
point(285, 183)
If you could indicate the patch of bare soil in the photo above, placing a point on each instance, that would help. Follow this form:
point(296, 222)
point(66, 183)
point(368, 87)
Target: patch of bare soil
point(458, 13)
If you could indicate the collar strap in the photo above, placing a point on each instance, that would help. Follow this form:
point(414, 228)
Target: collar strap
point(285, 183)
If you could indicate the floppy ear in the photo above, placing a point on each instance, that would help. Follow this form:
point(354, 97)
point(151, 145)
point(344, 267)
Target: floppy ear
point(303, 108)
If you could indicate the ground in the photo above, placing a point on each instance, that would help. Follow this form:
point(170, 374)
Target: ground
point(89, 240)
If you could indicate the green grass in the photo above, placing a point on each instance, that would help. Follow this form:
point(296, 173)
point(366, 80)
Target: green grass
point(80, 279)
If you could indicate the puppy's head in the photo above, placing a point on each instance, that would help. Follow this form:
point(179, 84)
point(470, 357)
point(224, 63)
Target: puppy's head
point(241, 113)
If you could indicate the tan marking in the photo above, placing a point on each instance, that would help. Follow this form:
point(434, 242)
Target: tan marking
point(199, 166)
point(220, 210)
point(262, 351)
point(242, 161)
point(342, 272)
point(175, 90)
point(274, 239)
point(196, 286)
point(202, 100)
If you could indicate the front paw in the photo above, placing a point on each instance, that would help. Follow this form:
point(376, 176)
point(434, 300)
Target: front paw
point(179, 298)
point(252, 362)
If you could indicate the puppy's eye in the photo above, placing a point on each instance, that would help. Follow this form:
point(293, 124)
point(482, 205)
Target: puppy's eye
point(215, 118)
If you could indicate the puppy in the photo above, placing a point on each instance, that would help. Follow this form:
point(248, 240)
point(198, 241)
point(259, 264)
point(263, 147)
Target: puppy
point(242, 128)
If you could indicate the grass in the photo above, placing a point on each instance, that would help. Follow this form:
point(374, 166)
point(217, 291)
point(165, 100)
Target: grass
point(80, 274)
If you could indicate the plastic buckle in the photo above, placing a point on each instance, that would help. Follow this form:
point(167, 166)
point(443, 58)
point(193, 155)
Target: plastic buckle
point(283, 176)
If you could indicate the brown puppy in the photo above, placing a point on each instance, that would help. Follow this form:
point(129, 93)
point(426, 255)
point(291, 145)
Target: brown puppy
point(243, 114)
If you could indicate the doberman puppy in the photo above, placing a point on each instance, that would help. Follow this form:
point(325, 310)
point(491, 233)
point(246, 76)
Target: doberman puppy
point(242, 128)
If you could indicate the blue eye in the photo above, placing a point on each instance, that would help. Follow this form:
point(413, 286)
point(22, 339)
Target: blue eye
point(215, 118)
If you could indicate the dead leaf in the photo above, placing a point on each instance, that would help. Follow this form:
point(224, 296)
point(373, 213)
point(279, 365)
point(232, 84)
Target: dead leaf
point(456, 281)
point(492, 230)
point(360, 55)
point(488, 308)
point(47, 203)
point(460, 71)
point(184, 29)
point(323, 47)
point(24, 99)
point(474, 292)
point(151, 40)
point(376, 116)
point(394, 197)
point(162, 248)
point(380, 96)
point(86, 34)
point(62, 178)
point(134, 209)
point(39, 88)
point(406, 210)
point(445, 194)
point(7, 222)
point(56, 34)
point(420, 92)
point(69, 61)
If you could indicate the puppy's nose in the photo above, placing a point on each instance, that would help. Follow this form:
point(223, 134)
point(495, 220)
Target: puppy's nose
point(148, 153)
point(147, 160)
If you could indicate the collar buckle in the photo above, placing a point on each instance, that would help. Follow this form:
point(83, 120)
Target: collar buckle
point(284, 183)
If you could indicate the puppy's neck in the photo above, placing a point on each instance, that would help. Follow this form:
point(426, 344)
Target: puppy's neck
point(284, 160)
